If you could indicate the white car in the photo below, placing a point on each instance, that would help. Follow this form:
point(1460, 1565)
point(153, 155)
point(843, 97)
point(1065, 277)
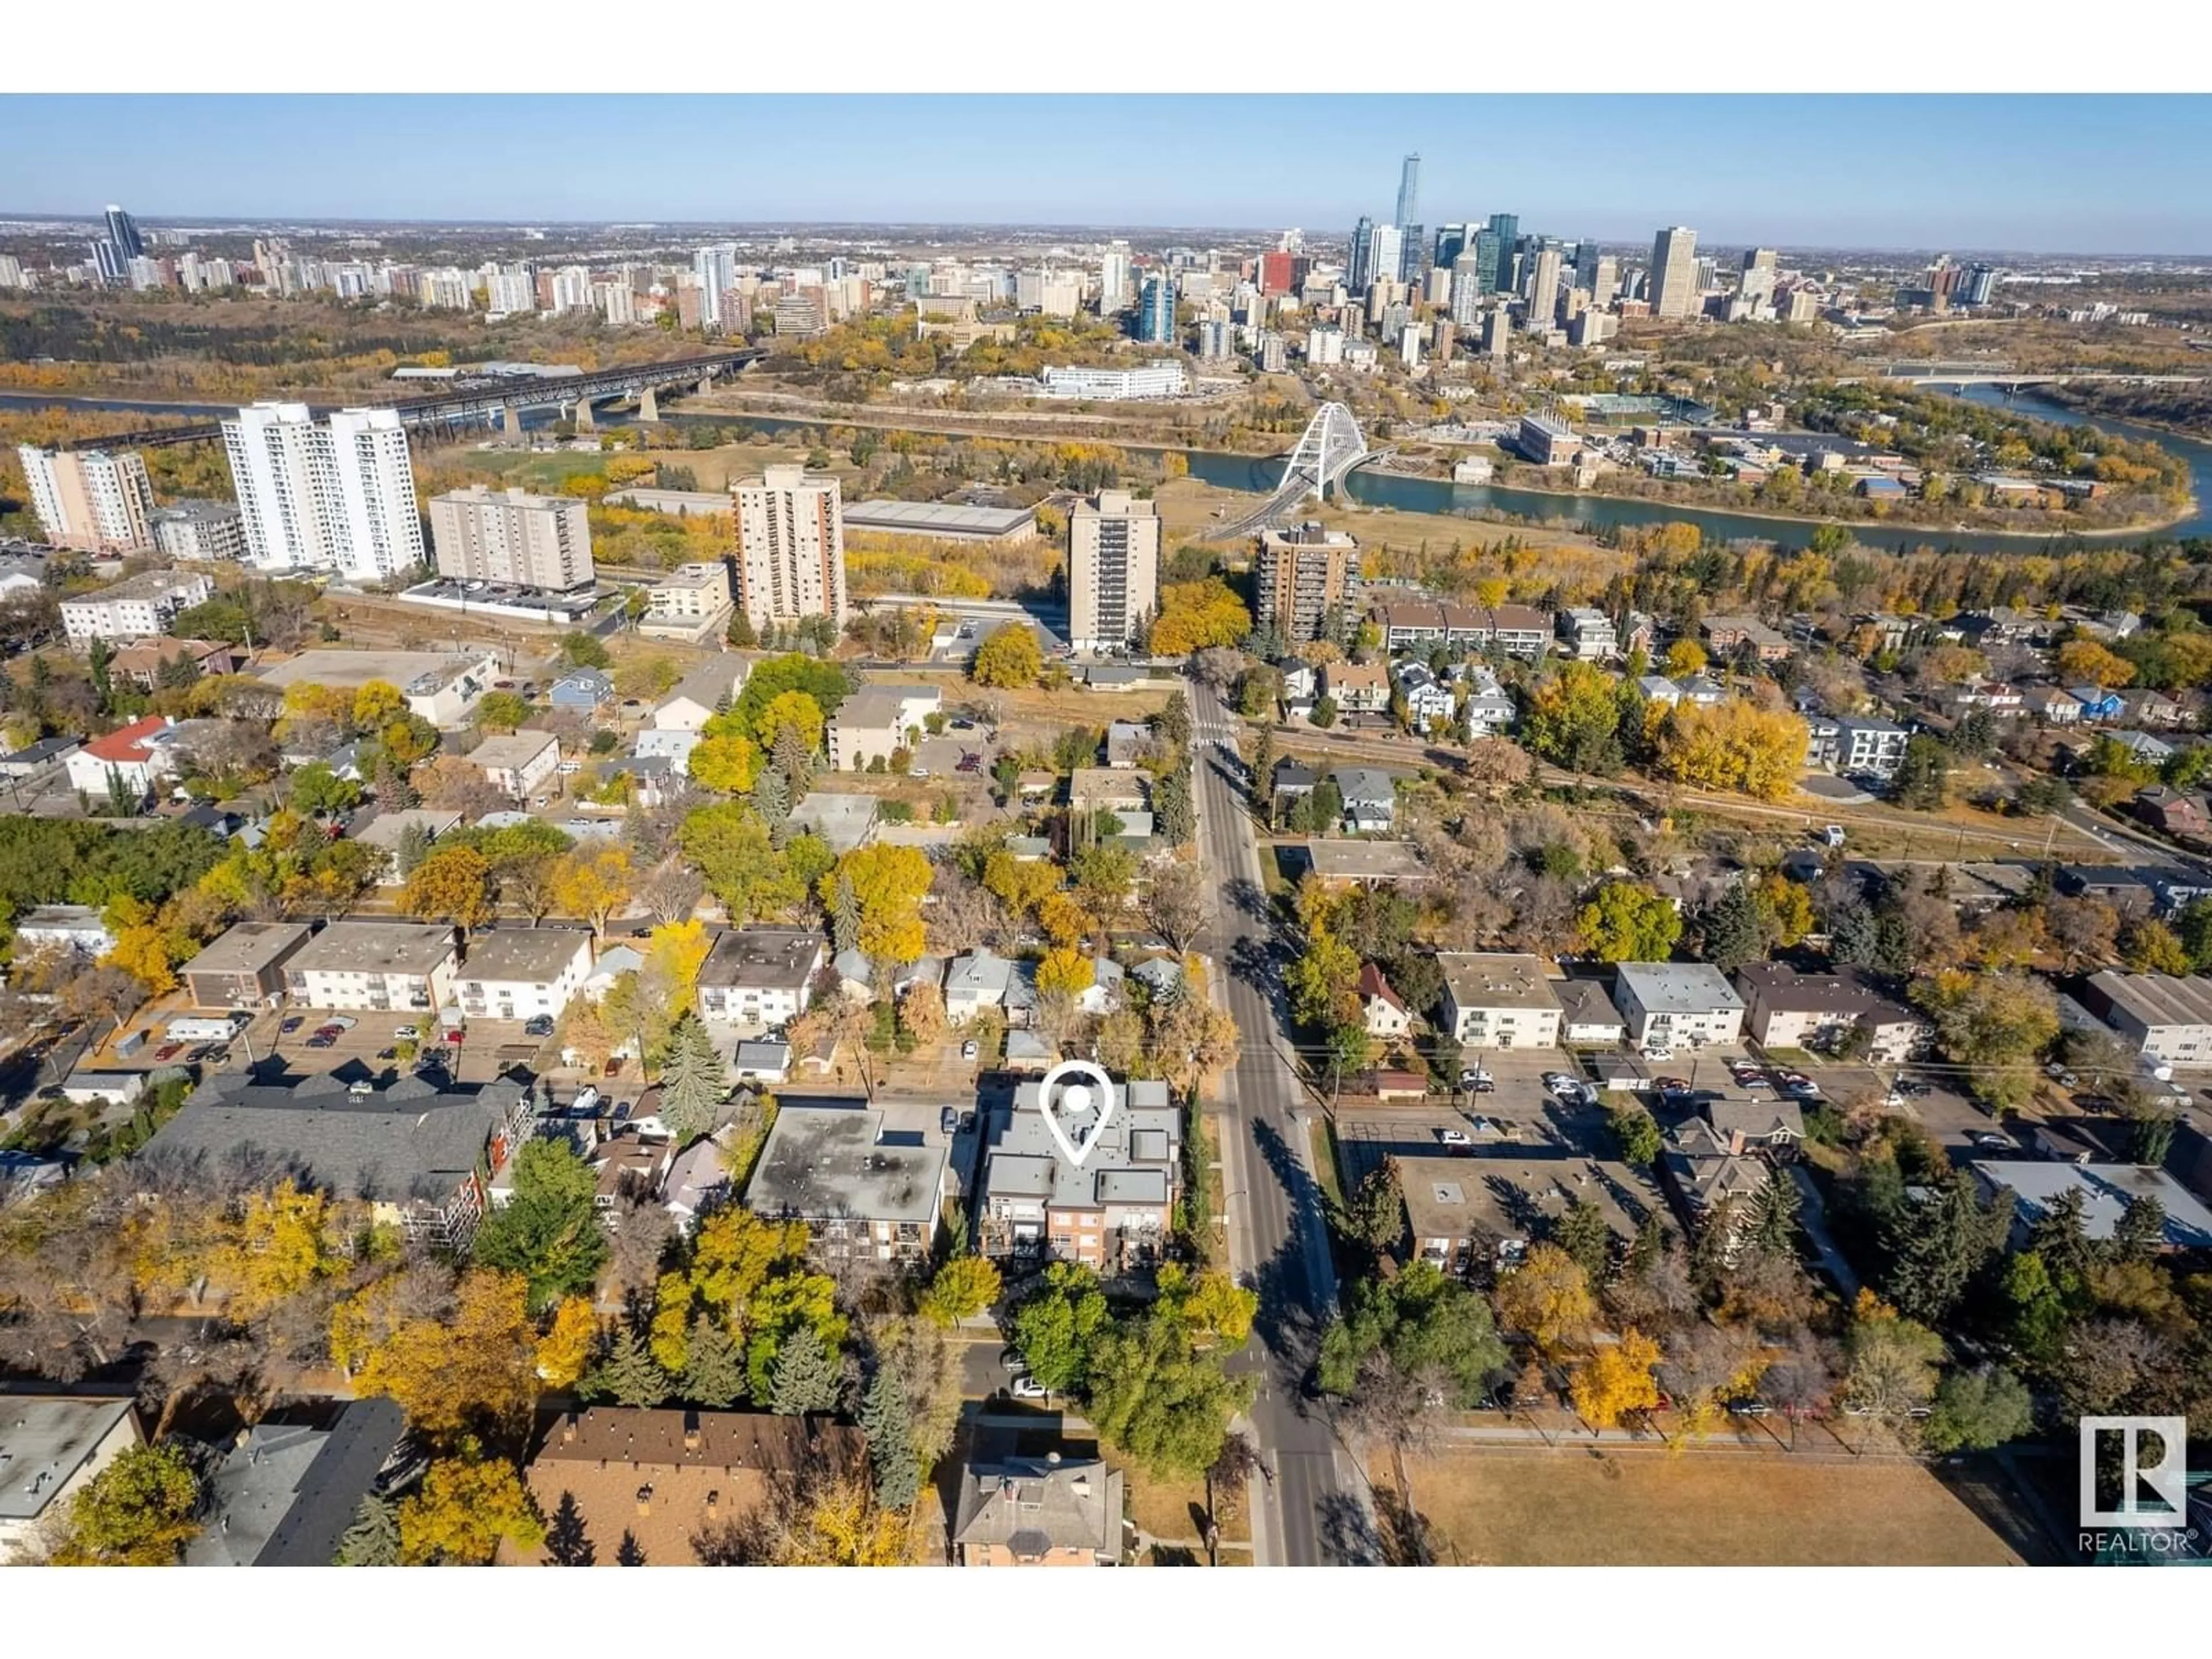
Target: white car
point(1454, 1138)
point(408, 1033)
point(1028, 1388)
point(1658, 1054)
point(1557, 1082)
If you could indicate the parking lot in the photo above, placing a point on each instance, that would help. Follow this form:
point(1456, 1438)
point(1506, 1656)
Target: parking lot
point(489, 1047)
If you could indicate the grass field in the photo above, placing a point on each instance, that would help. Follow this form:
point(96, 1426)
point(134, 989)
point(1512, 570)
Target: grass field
point(1565, 1509)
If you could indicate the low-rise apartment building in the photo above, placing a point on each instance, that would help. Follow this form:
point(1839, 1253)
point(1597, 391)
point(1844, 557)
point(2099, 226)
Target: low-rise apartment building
point(690, 602)
point(246, 967)
point(1865, 744)
point(383, 965)
point(1113, 1213)
point(1590, 632)
point(77, 927)
point(1664, 1003)
point(1498, 999)
point(1786, 1009)
point(877, 719)
point(1727, 636)
point(52, 1447)
point(523, 973)
point(760, 976)
point(868, 1195)
point(137, 608)
point(517, 761)
point(2168, 1019)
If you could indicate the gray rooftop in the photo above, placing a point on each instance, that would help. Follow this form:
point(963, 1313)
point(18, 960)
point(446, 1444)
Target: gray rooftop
point(386, 828)
point(1677, 988)
point(408, 1141)
point(1483, 979)
point(375, 947)
point(402, 669)
point(1585, 1002)
point(2107, 1190)
point(1366, 861)
point(717, 677)
point(880, 708)
point(937, 517)
point(825, 1161)
point(2153, 1000)
point(511, 750)
point(248, 947)
point(146, 585)
point(55, 1437)
point(530, 955)
point(770, 959)
point(1031, 1505)
point(842, 821)
point(1141, 1138)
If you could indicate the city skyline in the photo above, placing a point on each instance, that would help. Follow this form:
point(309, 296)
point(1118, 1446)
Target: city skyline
point(2053, 175)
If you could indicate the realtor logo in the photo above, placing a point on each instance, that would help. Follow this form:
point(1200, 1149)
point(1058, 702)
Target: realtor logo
point(2138, 1463)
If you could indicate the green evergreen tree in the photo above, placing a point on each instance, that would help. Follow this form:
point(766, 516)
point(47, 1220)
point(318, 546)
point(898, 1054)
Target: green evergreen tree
point(626, 1374)
point(550, 1229)
point(844, 916)
point(1582, 1232)
point(713, 1365)
point(805, 1376)
point(889, 1425)
point(372, 1540)
point(692, 1080)
point(1730, 928)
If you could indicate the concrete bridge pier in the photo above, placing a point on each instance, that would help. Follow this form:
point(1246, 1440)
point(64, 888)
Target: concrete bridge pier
point(706, 384)
point(648, 408)
point(583, 421)
point(510, 421)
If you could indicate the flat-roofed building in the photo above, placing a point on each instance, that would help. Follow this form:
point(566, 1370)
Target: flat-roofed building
point(1546, 441)
point(384, 965)
point(1480, 1215)
point(1669, 1002)
point(1786, 1009)
point(791, 546)
point(690, 602)
point(868, 1195)
point(1498, 1000)
point(877, 719)
point(246, 967)
point(207, 532)
point(1114, 1212)
point(943, 521)
point(77, 927)
point(513, 537)
point(521, 973)
point(137, 608)
point(760, 976)
point(2107, 1192)
point(2168, 1019)
point(1306, 574)
point(1113, 570)
point(442, 687)
point(95, 501)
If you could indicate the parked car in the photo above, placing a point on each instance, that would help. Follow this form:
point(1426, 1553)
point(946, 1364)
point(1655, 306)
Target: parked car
point(541, 1026)
point(319, 1040)
point(293, 1023)
point(1454, 1138)
point(967, 1049)
point(1989, 1140)
point(409, 1033)
point(948, 1121)
point(167, 1051)
point(1028, 1388)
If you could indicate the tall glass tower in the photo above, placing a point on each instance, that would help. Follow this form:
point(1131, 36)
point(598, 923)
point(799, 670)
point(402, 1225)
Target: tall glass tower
point(1156, 310)
point(1409, 191)
point(1506, 227)
point(123, 231)
point(1362, 272)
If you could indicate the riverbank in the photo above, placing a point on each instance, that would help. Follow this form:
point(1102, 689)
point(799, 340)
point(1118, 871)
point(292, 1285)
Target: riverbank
point(1120, 430)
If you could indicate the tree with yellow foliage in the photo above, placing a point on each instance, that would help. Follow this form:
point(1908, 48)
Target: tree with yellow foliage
point(1195, 614)
point(792, 710)
point(591, 884)
point(465, 1506)
point(1547, 1299)
point(566, 1348)
point(841, 1525)
point(476, 1363)
point(1210, 1304)
point(726, 760)
point(1009, 658)
point(376, 705)
point(1616, 1381)
point(889, 883)
point(452, 883)
point(1684, 657)
point(1065, 972)
point(1063, 918)
point(1755, 751)
point(2084, 662)
point(273, 1246)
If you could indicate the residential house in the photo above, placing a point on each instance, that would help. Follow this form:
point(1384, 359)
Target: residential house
point(52, 1447)
point(760, 976)
point(1786, 1009)
point(2170, 810)
point(291, 1487)
point(1114, 1212)
point(1726, 635)
point(1370, 799)
point(1102, 789)
point(1486, 709)
point(1588, 1018)
point(1742, 1124)
point(1128, 744)
point(582, 692)
point(138, 755)
point(2053, 705)
point(1292, 780)
point(524, 973)
point(1701, 691)
point(1387, 1015)
point(34, 758)
point(2149, 707)
point(661, 1486)
point(1301, 680)
point(2168, 1019)
point(1357, 688)
point(1038, 1512)
point(976, 982)
point(2150, 750)
point(1705, 1173)
point(2129, 892)
point(1666, 1003)
point(674, 747)
point(406, 966)
point(421, 1157)
point(1498, 1000)
point(2097, 704)
point(1657, 688)
point(700, 695)
point(75, 928)
point(388, 831)
point(246, 967)
point(517, 761)
point(869, 1195)
point(1428, 700)
point(145, 663)
point(878, 720)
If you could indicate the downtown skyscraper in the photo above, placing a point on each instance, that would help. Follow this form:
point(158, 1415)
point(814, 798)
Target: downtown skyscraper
point(1409, 191)
point(1674, 273)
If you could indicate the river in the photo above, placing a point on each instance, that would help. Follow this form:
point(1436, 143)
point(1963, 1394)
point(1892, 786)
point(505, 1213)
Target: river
point(1383, 490)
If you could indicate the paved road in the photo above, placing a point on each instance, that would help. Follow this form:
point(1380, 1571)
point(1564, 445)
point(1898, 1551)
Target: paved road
point(1315, 1511)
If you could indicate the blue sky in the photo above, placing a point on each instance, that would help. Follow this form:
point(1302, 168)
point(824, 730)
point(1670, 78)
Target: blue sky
point(2074, 175)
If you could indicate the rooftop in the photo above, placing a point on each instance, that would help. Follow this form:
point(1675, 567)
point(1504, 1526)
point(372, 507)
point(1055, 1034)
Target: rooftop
point(146, 585)
point(354, 669)
point(1677, 988)
point(1140, 1139)
point(842, 821)
point(826, 1159)
point(1780, 986)
point(1366, 861)
point(1033, 1506)
point(375, 947)
point(771, 958)
point(1478, 979)
point(530, 955)
point(717, 677)
point(248, 947)
point(882, 708)
point(53, 1437)
point(2154, 1000)
point(2107, 1190)
point(1515, 1197)
point(409, 1141)
point(511, 749)
point(941, 518)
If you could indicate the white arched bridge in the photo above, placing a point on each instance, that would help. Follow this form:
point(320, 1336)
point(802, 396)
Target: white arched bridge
point(1330, 447)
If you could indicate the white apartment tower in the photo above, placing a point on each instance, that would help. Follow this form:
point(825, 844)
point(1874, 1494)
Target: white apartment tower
point(791, 546)
point(572, 288)
point(1113, 571)
point(1674, 273)
point(512, 536)
point(337, 495)
point(1543, 290)
point(1113, 278)
point(90, 499)
point(716, 268)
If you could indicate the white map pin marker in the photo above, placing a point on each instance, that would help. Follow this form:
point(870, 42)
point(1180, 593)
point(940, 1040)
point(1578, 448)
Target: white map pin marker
point(1078, 1098)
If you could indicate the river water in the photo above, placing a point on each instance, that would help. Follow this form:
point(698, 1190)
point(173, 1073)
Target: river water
point(1380, 489)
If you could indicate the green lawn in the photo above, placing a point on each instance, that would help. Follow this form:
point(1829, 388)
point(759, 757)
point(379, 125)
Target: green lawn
point(1323, 1140)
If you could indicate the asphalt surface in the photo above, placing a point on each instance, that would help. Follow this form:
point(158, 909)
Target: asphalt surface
point(1314, 1511)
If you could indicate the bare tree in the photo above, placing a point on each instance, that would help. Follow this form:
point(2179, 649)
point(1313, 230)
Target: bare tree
point(965, 914)
point(1176, 905)
point(450, 784)
point(673, 892)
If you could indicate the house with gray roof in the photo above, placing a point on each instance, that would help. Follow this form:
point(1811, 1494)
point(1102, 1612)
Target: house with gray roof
point(869, 1195)
point(51, 1447)
point(289, 1490)
point(1370, 799)
point(1039, 1512)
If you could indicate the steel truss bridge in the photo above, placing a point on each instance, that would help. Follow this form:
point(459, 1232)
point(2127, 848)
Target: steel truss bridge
point(1329, 448)
point(494, 400)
